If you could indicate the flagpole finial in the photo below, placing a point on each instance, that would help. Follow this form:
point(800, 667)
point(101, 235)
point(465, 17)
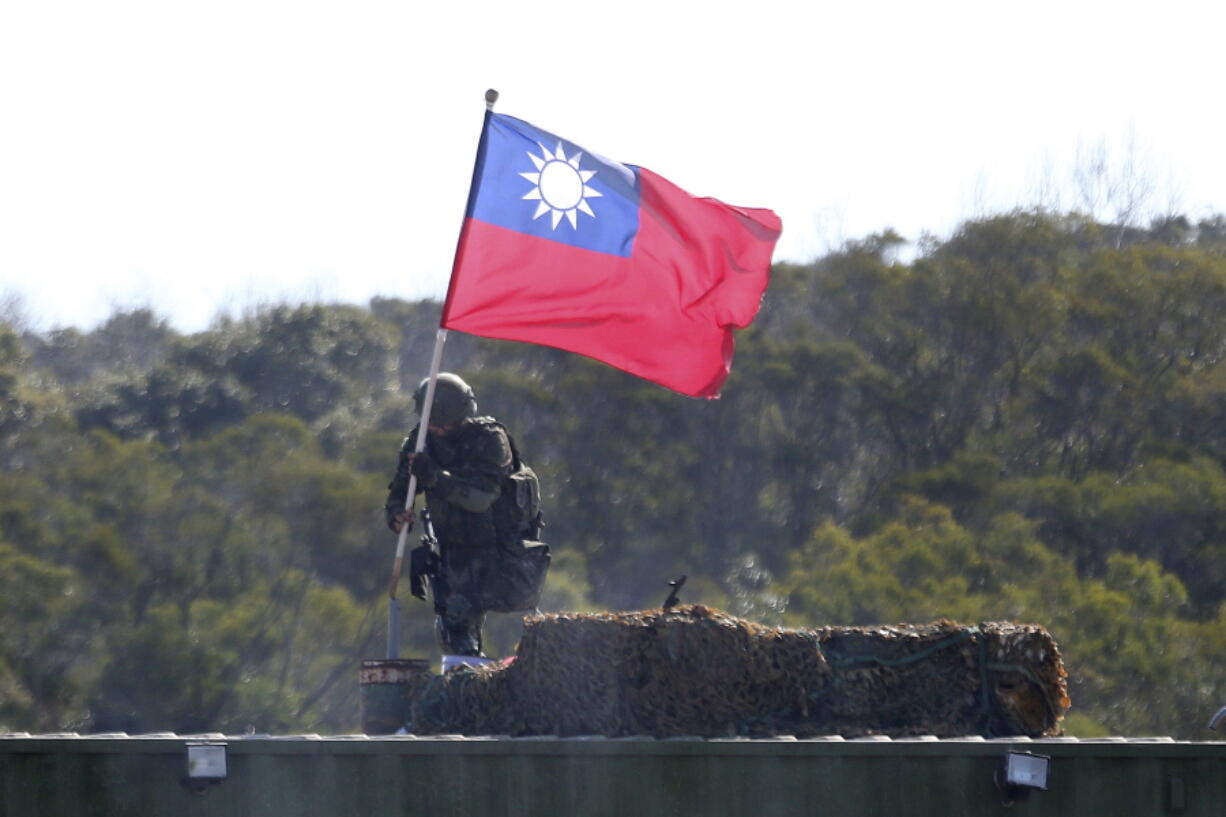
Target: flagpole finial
point(491, 96)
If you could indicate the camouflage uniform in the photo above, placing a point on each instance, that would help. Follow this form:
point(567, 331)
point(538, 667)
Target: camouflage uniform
point(471, 460)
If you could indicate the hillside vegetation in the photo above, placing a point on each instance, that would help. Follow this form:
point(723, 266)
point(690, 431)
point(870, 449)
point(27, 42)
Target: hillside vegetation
point(1026, 421)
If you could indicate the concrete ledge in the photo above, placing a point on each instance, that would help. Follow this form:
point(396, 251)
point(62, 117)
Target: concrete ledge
point(783, 745)
point(326, 776)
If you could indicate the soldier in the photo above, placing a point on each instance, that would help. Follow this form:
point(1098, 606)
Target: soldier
point(474, 486)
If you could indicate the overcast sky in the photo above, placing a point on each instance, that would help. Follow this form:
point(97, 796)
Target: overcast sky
point(208, 157)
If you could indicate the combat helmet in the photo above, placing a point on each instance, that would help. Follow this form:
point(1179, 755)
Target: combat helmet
point(453, 400)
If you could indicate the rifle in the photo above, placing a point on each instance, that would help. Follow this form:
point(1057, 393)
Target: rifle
point(672, 600)
point(426, 566)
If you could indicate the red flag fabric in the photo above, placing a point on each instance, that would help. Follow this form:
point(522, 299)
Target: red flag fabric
point(564, 248)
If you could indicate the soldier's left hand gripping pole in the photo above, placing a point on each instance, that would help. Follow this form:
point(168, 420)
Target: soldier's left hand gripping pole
point(393, 603)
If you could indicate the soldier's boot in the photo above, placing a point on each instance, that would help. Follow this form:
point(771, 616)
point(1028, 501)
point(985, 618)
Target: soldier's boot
point(458, 638)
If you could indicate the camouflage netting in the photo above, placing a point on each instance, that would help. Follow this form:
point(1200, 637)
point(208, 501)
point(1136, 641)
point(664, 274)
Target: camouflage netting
point(696, 671)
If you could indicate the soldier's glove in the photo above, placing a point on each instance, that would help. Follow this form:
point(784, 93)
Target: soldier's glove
point(397, 514)
point(425, 470)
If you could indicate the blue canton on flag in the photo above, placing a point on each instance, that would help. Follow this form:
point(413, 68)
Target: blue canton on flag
point(533, 182)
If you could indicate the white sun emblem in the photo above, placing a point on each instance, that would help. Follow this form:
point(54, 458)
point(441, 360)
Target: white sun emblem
point(560, 186)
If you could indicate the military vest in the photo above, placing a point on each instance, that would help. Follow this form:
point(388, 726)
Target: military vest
point(516, 513)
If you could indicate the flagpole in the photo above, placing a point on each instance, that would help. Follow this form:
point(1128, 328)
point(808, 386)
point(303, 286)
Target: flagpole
point(393, 606)
point(436, 360)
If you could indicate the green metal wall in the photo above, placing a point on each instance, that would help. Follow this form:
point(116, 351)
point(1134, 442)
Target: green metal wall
point(141, 776)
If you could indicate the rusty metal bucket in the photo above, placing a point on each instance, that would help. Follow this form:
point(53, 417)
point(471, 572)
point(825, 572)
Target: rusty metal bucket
point(384, 684)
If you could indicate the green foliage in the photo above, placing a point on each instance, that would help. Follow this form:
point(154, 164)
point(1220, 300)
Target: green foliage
point(1170, 511)
point(1025, 421)
point(302, 361)
point(128, 342)
point(37, 685)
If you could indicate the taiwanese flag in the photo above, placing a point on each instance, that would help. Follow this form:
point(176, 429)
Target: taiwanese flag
point(564, 248)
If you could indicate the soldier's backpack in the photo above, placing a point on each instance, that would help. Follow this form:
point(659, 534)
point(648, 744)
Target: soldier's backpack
point(517, 577)
point(521, 492)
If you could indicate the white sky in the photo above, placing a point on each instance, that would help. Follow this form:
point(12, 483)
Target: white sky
point(210, 156)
